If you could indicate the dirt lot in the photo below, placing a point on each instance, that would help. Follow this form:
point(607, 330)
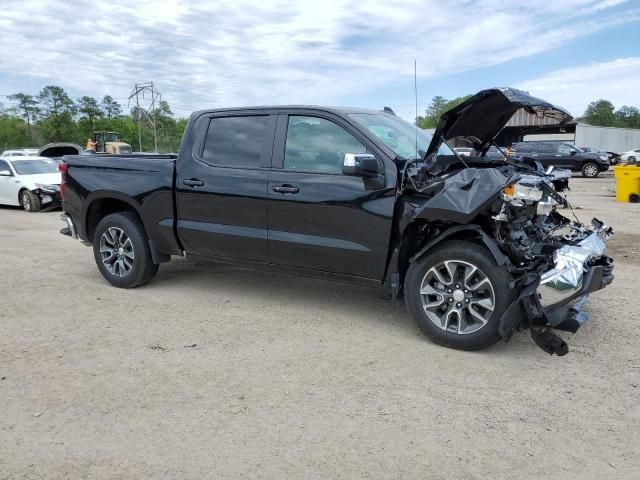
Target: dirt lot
point(214, 371)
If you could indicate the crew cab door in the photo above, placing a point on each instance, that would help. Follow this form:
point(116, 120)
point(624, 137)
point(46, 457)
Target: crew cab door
point(320, 219)
point(221, 186)
point(547, 155)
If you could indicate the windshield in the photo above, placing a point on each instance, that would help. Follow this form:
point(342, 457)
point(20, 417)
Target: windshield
point(399, 135)
point(34, 167)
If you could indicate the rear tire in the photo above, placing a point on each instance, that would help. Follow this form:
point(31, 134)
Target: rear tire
point(632, 159)
point(121, 251)
point(485, 291)
point(590, 170)
point(30, 201)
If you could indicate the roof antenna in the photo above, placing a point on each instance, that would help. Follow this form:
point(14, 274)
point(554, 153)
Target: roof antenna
point(415, 91)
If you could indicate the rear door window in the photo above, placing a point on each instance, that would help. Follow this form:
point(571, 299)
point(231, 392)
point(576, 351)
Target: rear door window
point(236, 141)
point(525, 148)
point(546, 148)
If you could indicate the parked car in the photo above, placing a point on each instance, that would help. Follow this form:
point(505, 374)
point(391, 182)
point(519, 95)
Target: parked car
point(21, 152)
point(631, 156)
point(562, 155)
point(474, 247)
point(30, 182)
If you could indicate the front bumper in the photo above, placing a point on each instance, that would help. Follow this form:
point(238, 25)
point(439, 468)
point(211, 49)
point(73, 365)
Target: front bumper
point(569, 315)
point(579, 270)
point(49, 199)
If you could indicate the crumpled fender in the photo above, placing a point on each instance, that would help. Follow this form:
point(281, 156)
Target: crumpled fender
point(500, 258)
point(463, 196)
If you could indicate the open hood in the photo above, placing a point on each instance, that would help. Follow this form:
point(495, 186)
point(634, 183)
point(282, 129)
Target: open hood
point(480, 118)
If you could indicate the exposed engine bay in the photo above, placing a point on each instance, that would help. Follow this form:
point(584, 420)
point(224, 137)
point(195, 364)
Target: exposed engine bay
point(555, 260)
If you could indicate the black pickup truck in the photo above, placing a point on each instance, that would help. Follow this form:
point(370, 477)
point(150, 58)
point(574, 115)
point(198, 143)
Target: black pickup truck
point(475, 246)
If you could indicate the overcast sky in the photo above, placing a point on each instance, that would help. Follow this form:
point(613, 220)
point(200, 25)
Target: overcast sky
point(360, 53)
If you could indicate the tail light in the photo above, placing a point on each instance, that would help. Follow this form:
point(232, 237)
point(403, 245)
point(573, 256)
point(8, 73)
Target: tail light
point(63, 173)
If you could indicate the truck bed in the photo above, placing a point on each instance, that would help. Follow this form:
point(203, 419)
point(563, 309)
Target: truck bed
point(144, 182)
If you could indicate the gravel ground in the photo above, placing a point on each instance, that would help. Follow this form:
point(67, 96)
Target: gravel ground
point(214, 371)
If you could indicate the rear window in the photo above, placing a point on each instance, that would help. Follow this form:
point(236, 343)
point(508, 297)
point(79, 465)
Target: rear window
point(235, 141)
point(34, 167)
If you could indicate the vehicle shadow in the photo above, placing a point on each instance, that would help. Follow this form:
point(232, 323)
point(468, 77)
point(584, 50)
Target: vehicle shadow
point(366, 306)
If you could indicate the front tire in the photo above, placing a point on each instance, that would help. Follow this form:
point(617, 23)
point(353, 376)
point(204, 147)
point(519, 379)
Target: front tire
point(590, 170)
point(121, 251)
point(30, 201)
point(632, 159)
point(457, 295)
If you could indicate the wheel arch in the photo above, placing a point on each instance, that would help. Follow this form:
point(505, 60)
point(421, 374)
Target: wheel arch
point(588, 161)
point(411, 248)
point(465, 232)
point(102, 204)
point(20, 194)
point(470, 232)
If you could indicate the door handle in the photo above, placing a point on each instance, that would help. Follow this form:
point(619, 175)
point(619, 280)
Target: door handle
point(286, 189)
point(193, 182)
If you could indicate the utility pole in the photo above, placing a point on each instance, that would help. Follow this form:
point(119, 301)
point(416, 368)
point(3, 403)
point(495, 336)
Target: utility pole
point(146, 109)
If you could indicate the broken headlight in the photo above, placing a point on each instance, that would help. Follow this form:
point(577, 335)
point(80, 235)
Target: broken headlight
point(47, 187)
point(523, 192)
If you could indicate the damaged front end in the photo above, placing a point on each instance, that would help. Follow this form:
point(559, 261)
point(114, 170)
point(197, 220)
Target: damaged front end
point(555, 261)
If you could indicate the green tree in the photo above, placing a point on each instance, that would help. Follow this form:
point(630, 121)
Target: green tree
point(58, 109)
point(13, 133)
point(438, 106)
point(627, 117)
point(52, 116)
point(454, 103)
point(27, 108)
point(600, 113)
point(110, 107)
point(89, 109)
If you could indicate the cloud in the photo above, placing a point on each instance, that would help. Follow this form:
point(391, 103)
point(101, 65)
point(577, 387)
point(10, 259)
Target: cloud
point(206, 53)
point(573, 88)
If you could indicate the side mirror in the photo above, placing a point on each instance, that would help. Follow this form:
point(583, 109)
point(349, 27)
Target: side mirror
point(573, 151)
point(5, 173)
point(360, 165)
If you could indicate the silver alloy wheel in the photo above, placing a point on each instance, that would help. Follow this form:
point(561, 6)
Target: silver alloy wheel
point(591, 170)
point(457, 296)
point(116, 251)
point(26, 201)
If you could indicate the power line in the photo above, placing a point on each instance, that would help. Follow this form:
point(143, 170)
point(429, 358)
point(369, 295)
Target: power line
point(139, 91)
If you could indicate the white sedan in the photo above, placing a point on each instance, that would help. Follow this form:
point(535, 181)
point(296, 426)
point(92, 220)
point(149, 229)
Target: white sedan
point(632, 156)
point(30, 182)
point(21, 152)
